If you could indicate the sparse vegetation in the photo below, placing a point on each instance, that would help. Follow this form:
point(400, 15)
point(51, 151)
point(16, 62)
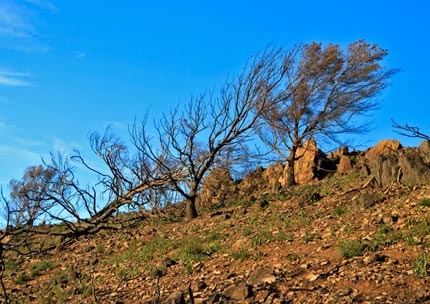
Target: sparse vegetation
point(351, 248)
point(422, 265)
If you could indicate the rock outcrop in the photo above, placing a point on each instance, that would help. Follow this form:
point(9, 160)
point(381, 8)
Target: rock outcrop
point(311, 164)
point(389, 162)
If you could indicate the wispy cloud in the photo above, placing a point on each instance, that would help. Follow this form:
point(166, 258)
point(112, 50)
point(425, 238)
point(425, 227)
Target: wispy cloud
point(16, 79)
point(19, 19)
point(43, 4)
point(14, 20)
point(79, 54)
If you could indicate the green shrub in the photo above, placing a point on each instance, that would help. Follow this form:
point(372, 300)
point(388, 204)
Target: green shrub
point(338, 211)
point(22, 278)
point(425, 202)
point(422, 265)
point(241, 255)
point(351, 248)
point(38, 267)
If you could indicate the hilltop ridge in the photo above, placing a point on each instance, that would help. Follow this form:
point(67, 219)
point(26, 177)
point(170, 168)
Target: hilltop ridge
point(358, 230)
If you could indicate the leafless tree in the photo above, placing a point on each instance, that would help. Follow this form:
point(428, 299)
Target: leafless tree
point(212, 129)
point(324, 88)
point(409, 131)
point(26, 204)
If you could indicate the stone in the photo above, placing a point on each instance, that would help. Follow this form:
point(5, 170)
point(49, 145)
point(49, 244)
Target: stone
point(345, 165)
point(424, 149)
point(262, 276)
point(216, 188)
point(390, 163)
point(312, 277)
point(175, 298)
point(237, 292)
point(384, 147)
point(367, 200)
point(214, 298)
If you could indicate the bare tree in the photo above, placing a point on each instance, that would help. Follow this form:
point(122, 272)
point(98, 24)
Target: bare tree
point(211, 130)
point(409, 131)
point(26, 195)
point(322, 91)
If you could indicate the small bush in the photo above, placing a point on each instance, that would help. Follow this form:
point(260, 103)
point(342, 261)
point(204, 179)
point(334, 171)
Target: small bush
point(422, 265)
point(241, 255)
point(38, 267)
point(338, 211)
point(425, 202)
point(311, 236)
point(351, 248)
point(22, 278)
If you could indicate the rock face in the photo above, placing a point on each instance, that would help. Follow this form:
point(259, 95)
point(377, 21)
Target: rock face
point(311, 164)
point(217, 186)
point(345, 165)
point(390, 163)
point(237, 292)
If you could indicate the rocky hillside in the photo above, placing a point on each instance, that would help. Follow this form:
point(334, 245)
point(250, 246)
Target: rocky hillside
point(356, 229)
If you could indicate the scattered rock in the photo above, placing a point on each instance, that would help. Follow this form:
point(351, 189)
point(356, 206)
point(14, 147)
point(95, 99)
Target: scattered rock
point(367, 200)
point(345, 165)
point(384, 147)
point(175, 298)
point(237, 292)
point(262, 276)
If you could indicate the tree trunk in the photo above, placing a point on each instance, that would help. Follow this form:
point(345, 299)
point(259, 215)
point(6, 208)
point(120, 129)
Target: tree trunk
point(190, 208)
point(290, 178)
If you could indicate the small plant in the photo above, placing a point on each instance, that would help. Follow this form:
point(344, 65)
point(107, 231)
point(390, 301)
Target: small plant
point(338, 211)
point(311, 236)
point(261, 238)
point(241, 255)
point(351, 248)
point(247, 231)
point(425, 202)
point(100, 249)
point(22, 278)
point(38, 267)
point(422, 265)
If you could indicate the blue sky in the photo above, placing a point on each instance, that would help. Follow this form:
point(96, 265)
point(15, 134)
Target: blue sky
point(70, 67)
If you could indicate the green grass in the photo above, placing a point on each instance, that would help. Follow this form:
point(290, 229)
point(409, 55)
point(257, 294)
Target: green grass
point(38, 267)
point(425, 202)
point(241, 255)
point(339, 210)
point(351, 248)
point(422, 265)
point(310, 237)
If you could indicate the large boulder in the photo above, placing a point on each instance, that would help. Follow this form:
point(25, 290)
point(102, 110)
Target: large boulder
point(311, 164)
point(390, 163)
point(425, 151)
point(217, 187)
point(384, 147)
point(262, 180)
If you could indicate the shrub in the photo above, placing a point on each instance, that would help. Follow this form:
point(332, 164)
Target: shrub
point(351, 248)
point(422, 265)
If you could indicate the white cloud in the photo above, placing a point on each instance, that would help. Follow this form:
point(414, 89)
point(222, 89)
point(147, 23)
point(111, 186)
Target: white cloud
point(79, 55)
point(44, 4)
point(10, 78)
point(14, 20)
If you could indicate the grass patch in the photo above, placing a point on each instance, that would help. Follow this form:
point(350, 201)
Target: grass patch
point(425, 202)
point(339, 210)
point(351, 248)
point(416, 231)
point(241, 255)
point(38, 267)
point(311, 236)
point(422, 265)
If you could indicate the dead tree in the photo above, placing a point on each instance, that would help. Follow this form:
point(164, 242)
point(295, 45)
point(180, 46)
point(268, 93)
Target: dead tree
point(212, 129)
point(322, 91)
point(409, 131)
